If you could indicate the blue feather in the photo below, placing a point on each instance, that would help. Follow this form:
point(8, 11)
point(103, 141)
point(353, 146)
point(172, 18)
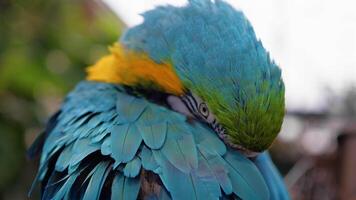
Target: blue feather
point(180, 148)
point(81, 149)
point(198, 184)
point(132, 168)
point(204, 137)
point(106, 146)
point(164, 195)
point(100, 173)
point(64, 158)
point(36, 148)
point(63, 192)
point(101, 131)
point(55, 183)
point(178, 183)
point(148, 161)
point(246, 180)
point(153, 129)
point(124, 188)
point(127, 141)
point(129, 107)
point(207, 186)
point(274, 181)
point(218, 167)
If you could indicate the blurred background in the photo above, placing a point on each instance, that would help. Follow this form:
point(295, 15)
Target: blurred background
point(45, 46)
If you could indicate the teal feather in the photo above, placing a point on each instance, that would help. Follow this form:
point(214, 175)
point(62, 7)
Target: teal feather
point(218, 167)
point(164, 195)
point(198, 184)
point(73, 168)
point(100, 136)
point(132, 168)
point(278, 190)
point(81, 130)
point(55, 183)
point(246, 179)
point(64, 158)
point(99, 175)
point(148, 161)
point(207, 186)
point(152, 115)
point(75, 123)
point(153, 129)
point(178, 183)
point(53, 143)
point(131, 109)
point(209, 139)
point(81, 149)
point(94, 121)
point(180, 148)
point(65, 189)
point(106, 146)
point(124, 188)
point(127, 141)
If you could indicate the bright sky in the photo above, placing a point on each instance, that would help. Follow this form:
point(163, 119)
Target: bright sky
point(314, 41)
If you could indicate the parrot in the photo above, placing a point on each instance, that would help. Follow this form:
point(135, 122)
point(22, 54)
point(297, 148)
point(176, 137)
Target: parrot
point(184, 106)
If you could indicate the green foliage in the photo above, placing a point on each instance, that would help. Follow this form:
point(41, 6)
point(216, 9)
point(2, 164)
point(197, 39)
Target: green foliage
point(51, 42)
point(45, 46)
point(11, 152)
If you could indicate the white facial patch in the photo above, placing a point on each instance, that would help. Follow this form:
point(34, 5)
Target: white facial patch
point(193, 106)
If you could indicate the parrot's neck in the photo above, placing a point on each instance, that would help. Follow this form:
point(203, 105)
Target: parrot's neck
point(131, 68)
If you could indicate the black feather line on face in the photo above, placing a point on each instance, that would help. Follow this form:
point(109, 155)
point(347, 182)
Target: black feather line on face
point(189, 105)
point(193, 104)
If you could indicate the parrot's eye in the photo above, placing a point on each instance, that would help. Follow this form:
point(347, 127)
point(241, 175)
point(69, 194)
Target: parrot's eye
point(204, 111)
point(199, 109)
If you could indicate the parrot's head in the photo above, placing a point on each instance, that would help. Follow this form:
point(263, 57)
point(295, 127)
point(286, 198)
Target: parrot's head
point(207, 54)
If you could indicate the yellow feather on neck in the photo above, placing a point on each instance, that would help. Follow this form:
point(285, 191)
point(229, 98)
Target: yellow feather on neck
point(130, 68)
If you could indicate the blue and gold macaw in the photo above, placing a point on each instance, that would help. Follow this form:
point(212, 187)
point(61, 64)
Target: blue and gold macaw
point(182, 108)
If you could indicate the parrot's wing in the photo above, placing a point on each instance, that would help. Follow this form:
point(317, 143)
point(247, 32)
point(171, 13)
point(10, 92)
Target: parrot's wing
point(103, 139)
point(274, 180)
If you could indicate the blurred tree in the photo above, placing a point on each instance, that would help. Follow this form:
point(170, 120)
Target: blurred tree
point(47, 43)
point(11, 152)
point(44, 47)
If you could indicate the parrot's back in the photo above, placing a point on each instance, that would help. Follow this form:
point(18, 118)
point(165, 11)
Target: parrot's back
point(106, 143)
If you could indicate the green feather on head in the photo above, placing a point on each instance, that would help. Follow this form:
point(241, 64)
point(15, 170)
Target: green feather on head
point(252, 125)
